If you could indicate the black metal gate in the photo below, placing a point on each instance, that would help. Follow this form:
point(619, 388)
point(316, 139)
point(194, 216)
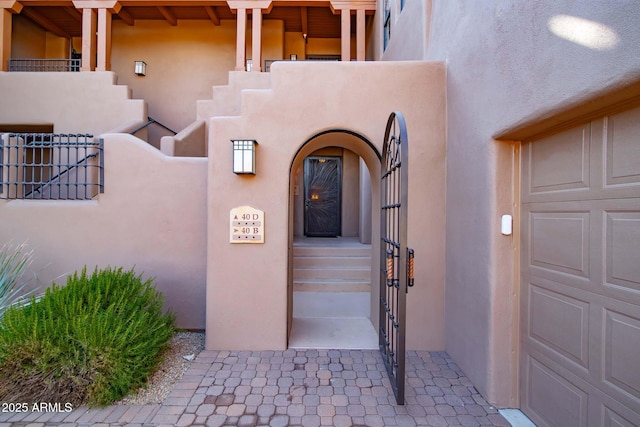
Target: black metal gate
point(396, 259)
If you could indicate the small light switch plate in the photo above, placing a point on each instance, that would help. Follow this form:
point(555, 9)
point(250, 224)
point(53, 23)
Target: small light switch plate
point(506, 227)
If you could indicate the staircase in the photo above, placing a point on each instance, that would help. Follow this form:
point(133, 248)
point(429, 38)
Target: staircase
point(331, 294)
point(331, 265)
point(227, 99)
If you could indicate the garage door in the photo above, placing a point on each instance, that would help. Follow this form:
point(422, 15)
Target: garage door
point(580, 265)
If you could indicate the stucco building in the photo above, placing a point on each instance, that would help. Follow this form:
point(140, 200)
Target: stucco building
point(522, 185)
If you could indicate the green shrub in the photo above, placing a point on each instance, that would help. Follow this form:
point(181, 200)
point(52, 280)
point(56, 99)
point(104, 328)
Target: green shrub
point(13, 262)
point(91, 341)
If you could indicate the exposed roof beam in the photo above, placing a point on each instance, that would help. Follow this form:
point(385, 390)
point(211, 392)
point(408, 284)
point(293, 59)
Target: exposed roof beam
point(45, 23)
point(45, 2)
point(168, 15)
point(74, 13)
point(126, 17)
point(213, 15)
point(186, 3)
point(303, 20)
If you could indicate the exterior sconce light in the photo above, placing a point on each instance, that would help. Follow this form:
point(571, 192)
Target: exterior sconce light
point(244, 156)
point(293, 57)
point(140, 68)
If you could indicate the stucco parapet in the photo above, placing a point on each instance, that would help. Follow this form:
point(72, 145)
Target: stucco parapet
point(279, 78)
point(133, 142)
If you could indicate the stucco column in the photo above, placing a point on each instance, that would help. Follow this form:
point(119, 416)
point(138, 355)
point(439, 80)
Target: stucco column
point(345, 34)
point(5, 39)
point(258, 7)
point(345, 7)
point(360, 35)
point(89, 21)
point(256, 40)
point(241, 35)
point(7, 9)
point(104, 40)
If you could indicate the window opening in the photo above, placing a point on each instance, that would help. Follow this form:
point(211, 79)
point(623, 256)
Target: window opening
point(387, 22)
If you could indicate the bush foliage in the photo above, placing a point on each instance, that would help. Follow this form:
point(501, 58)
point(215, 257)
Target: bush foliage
point(13, 262)
point(89, 342)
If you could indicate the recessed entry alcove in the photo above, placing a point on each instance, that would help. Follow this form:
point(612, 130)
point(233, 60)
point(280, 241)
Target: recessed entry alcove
point(330, 289)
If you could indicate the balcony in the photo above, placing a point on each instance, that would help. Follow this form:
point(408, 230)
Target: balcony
point(42, 65)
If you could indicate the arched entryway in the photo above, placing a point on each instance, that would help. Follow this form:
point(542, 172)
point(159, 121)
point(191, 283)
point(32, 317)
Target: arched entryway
point(333, 278)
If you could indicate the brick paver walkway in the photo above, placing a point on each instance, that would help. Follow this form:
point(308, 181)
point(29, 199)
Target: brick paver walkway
point(297, 388)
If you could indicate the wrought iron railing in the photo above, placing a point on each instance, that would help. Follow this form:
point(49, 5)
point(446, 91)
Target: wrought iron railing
point(40, 65)
point(51, 166)
point(387, 26)
point(152, 121)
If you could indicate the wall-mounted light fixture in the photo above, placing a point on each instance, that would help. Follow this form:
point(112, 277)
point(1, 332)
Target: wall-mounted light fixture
point(244, 156)
point(140, 68)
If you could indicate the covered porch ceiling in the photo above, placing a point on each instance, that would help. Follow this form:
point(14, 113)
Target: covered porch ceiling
point(315, 18)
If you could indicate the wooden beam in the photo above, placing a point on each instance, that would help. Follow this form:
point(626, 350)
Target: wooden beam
point(45, 23)
point(213, 15)
point(304, 20)
point(126, 17)
point(168, 15)
point(74, 13)
point(43, 2)
point(185, 3)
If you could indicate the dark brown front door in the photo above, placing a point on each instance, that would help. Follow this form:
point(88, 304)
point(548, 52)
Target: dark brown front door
point(323, 196)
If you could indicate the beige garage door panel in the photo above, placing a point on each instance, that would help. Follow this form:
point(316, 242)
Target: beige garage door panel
point(557, 398)
point(622, 258)
point(593, 245)
point(600, 160)
point(596, 338)
point(580, 263)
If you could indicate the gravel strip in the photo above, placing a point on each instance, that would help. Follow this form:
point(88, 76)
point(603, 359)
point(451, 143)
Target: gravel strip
point(171, 369)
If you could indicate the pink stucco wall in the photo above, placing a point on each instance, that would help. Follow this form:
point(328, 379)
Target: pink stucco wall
point(73, 102)
point(304, 100)
point(514, 69)
point(150, 216)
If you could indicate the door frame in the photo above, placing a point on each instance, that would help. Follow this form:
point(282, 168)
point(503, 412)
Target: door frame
point(370, 154)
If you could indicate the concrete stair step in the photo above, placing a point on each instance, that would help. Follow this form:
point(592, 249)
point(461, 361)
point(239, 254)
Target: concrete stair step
point(331, 285)
point(341, 273)
point(331, 265)
point(331, 304)
point(332, 261)
point(332, 251)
